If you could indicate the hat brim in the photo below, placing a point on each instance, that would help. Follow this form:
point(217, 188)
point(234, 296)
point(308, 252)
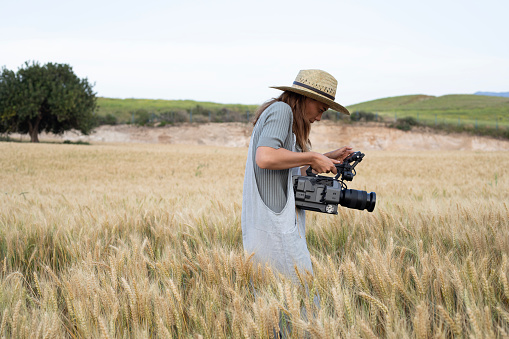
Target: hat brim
point(332, 104)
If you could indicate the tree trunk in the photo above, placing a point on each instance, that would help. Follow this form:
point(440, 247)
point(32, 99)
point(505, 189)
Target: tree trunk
point(34, 136)
point(33, 130)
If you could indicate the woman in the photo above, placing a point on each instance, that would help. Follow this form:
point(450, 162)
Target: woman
point(272, 227)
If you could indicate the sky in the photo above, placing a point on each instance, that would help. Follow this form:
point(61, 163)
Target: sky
point(232, 51)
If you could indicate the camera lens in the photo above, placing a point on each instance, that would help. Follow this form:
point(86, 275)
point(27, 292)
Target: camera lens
point(360, 200)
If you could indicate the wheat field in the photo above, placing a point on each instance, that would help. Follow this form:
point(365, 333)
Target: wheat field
point(137, 241)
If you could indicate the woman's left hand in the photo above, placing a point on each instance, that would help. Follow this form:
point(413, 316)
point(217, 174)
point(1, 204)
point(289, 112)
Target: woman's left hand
point(340, 154)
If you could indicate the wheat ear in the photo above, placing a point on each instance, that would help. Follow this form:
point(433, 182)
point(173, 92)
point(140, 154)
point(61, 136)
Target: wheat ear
point(15, 317)
point(449, 321)
point(421, 321)
point(4, 320)
point(104, 330)
point(375, 301)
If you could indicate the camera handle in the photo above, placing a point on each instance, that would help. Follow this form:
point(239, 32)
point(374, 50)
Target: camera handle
point(309, 172)
point(339, 167)
point(355, 157)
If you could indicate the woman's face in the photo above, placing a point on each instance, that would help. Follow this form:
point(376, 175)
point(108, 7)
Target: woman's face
point(315, 109)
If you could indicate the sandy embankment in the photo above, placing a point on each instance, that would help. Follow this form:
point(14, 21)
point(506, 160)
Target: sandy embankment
point(324, 135)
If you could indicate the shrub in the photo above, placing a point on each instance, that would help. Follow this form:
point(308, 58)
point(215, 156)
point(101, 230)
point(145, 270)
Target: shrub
point(368, 116)
point(362, 116)
point(181, 116)
point(405, 124)
point(141, 117)
point(166, 118)
point(79, 142)
point(333, 115)
point(200, 118)
point(108, 119)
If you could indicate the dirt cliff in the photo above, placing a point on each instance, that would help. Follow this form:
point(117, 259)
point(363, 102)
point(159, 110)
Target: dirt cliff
point(324, 135)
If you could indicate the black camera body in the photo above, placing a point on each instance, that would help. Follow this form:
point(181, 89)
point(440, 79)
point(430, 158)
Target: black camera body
point(323, 194)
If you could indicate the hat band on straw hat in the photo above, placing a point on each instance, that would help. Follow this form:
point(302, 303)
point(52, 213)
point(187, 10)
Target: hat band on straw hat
point(314, 90)
point(318, 85)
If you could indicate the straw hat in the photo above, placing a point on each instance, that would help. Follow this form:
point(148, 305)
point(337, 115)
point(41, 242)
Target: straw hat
point(318, 85)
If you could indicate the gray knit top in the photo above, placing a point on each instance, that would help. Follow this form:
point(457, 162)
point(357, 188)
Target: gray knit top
point(273, 129)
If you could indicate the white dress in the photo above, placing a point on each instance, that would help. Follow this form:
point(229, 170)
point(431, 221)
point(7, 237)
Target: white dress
point(276, 238)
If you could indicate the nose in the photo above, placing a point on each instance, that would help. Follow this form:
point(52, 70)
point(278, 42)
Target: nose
point(319, 117)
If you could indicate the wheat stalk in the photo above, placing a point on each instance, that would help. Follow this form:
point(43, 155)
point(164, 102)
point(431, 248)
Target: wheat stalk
point(366, 330)
point(503, 314)
point(374, 301)
point(81, 320)
point(488, 325)
point(473, 322)
point(132, 301)
point(349, 275)
point(15, 316)
point(452, 324)
point(180, 322)
point(53, 275)
point(37, 284)
point(421, 321)
point(38, 331)
point(348, 308)
point(113, 272)
point(95, 309)
point(417, 281)
point(292, 305)
point(471, 271)
point(104, 330)
point(162, 329)
point(4, 321)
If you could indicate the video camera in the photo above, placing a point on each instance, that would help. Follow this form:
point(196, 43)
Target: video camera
point(323, 194)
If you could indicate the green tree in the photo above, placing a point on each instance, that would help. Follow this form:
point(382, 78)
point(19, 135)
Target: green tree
point(47, 98)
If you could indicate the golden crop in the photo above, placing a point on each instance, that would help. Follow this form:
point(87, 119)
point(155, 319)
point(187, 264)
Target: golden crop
point(145, 241)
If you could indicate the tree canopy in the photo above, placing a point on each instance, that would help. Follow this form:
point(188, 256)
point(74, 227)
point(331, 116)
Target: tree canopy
point(48, 98)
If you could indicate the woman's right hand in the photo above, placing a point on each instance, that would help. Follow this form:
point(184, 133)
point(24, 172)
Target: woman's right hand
point(322, 164)
point(281, 158)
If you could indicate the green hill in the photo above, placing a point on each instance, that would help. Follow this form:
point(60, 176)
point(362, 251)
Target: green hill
point(123, 109)
point(444, 109)
point(448, 109)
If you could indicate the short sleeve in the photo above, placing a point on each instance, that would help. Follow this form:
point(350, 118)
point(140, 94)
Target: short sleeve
point(277, 124)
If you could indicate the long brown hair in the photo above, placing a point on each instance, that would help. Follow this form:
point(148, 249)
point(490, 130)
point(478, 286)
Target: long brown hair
point(301, 126)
